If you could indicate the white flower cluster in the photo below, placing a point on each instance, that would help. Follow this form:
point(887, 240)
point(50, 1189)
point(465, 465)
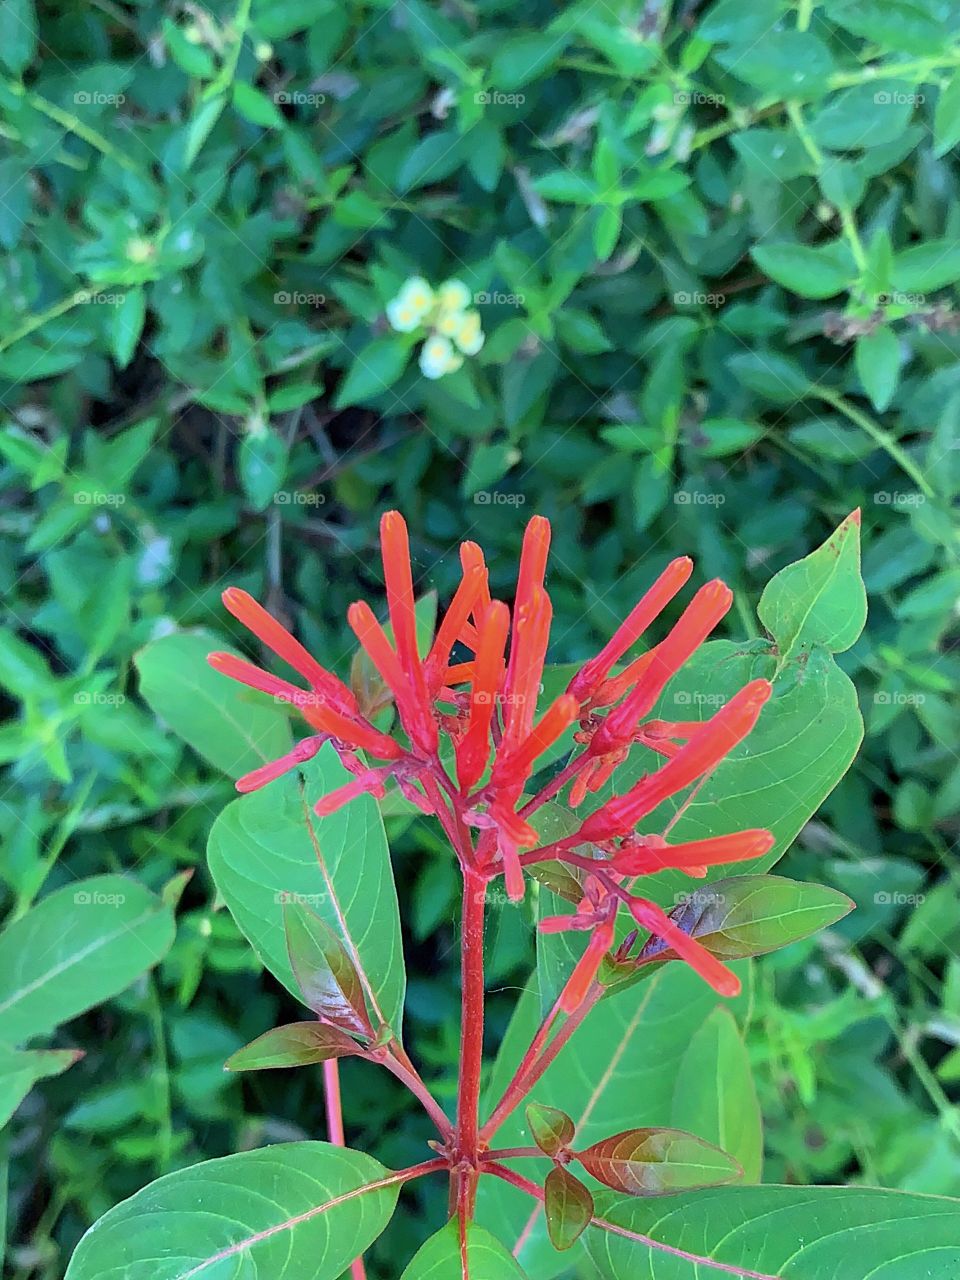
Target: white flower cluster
point(454, 329)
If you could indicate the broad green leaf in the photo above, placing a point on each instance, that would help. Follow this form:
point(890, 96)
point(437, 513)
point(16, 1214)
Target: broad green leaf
point(656, 1162)
point(233, 727)
point(878, 365)
point(926, 266)
point(782, 1233)
point(567, 1206)
point(946, 120)
point(18, 34)
point(299, 1044)
point(714, 1095)
point(551, 1130)
point(277, 19)
point(126, 325)
point(804, 270)
point(268, 848)
point(606, 1077)
point(374, 370)
point(281, 1213)
point(76, 948)
point(328, 981)
point(439, 1258)
point(256, 106)
point(819, 600)
point(20, 1069)
point(752, 915)
point(797, 63)
point(263, 467)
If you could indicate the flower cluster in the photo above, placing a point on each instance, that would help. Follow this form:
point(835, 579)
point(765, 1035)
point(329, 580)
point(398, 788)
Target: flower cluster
point(455, 330)
point(469, 740)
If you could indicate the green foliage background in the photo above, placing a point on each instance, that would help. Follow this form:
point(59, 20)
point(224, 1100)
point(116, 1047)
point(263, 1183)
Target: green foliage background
point(715, 250)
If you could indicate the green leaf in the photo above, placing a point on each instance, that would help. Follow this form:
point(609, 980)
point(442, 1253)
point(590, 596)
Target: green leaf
point(269, 848)
point(567, 1206)
point(18, 34)
point(523, 58)
point(946, 119)
point(439, 1258)
point(551, 1130)
point(714, 1095)
point(797, 63)
point(657, 1162)
point(744, 916)
point(263, 467)
point(819, 600)
point(277, 19)
point(784, 1233)
point(201, 124)
point(235, 728)
point(126, 325)
point(927, 266)
point(810, 272)
point(299, 1044)
point(325, 974)
point(284, 1212)
point(878, 365)
point(375, 369)
point(20, 1069)
point(257, 107)
point(78, 947)
point(719, 437)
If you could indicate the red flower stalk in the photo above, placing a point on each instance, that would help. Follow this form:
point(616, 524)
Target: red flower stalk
point(497, 740)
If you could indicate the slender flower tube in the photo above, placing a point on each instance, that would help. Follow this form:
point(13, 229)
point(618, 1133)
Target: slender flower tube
point(702, 753)
point(652, 854)
point(649, 607)
point(699, 618)
point(473, 751)
point(398, 574)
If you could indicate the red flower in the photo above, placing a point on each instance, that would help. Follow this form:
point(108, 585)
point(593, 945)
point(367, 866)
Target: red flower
point(487, 707)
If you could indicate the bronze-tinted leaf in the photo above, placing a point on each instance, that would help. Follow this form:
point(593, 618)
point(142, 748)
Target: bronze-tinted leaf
point(568, 1206)
point(297, 1045)
point(325, 973)
point(552, 1130)
point(654, 1162)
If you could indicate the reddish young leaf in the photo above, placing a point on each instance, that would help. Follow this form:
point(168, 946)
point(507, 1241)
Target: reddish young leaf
point(656, 1162)
point(296, 1045)
point(325, 973)
point(568, 1206)
point(552, 1130)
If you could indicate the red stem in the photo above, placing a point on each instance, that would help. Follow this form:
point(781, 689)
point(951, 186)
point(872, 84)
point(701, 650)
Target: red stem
point(335, 1133)
point(471, 1040)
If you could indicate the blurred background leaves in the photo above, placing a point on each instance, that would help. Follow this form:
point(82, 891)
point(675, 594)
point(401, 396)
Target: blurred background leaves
point(715, 253)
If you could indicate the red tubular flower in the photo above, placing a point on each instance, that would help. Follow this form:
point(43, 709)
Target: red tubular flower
point(702, 753)
point(649, 607)
point(276, 637)
point(353, 732)
point(649, 916)
point(652, 854)
point(473, 751)
point(699, 618)
point(496, 736)
point(398, 575)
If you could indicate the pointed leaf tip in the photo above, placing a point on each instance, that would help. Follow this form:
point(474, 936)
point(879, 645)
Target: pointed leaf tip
point(568, 1207)
point(551, 1129)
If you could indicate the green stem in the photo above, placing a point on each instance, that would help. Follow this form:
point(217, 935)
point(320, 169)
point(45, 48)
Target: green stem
point(880, 437)
point(67, 120)
point(32, 323)
point(161, 1078)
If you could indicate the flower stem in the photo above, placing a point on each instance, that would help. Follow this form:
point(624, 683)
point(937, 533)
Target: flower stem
point(471, 1040)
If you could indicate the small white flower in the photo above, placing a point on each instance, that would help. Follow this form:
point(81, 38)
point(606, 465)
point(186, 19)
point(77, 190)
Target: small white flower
point(469, 336)
point(449, 323)
point(438, 357)
point(416, 293)
point(453, 295)
point(401, 315)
